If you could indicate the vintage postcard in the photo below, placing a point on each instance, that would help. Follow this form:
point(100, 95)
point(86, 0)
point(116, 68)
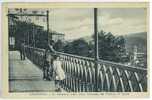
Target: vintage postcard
point(75, 49)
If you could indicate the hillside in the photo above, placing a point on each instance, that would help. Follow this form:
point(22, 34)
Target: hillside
point(138, 39)
point(132, 39)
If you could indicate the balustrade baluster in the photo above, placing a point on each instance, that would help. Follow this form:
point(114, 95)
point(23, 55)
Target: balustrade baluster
point(113, 81)
point(129, 85)
point(100, 81)
point(120, 85)
point(80, 73)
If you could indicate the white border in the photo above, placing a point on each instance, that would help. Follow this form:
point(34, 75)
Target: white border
point(74, 0)
point(78, 1)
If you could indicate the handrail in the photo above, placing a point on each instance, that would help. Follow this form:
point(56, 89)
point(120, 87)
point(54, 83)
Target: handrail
point(117, 65)
point(125, 67)
point(76, 56)
point(39, 49)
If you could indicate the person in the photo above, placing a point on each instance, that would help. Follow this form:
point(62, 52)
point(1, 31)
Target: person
point(59, 73)
point(50, 46)
point(48, 69)
point(46, 66)
point(22, 51)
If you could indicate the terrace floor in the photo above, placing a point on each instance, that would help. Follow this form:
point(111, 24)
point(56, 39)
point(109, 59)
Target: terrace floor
point(24, 76)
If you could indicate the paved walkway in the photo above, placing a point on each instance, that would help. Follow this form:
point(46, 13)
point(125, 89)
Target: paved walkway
point(24, 76)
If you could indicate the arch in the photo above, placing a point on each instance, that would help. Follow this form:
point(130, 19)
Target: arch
point(90, 80)
point(100, 81)
point(75, 70)
point(128, 87)
point(81, 72)
point(106, 83)
point(120, 86)
point(113, 85)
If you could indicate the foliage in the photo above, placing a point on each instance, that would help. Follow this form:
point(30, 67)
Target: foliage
point(77, 47)
point(136, 39)
point(59, 45)
point(30, 34)
point(110, 47)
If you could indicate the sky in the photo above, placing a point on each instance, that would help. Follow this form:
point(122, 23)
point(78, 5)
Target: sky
point(78, 22)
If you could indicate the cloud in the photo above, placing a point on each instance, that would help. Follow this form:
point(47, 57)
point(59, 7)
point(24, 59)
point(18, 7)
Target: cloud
point(74, 23)
point(122, 21)
point(116, 21)
point(78, 22)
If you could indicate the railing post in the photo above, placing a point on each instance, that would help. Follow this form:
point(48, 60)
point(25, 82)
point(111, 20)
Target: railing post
point(96, 49)
point(47, 18)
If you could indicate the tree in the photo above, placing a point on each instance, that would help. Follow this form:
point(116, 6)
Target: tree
point(111, 48)
point(58, 46)
point(78, 47)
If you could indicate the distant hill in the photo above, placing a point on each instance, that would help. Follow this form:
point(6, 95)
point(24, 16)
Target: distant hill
point(138, 39)
point(132, 39)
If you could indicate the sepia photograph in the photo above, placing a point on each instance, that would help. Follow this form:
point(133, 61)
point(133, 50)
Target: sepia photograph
point(91, 49)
